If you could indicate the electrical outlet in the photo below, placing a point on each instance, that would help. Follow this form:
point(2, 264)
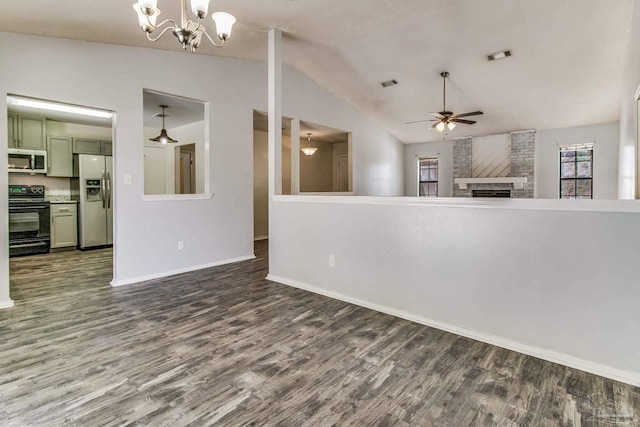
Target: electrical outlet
point(180, 245)
point(332, 260)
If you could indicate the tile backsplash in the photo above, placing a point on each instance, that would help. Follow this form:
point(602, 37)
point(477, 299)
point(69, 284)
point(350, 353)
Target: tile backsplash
point(57, 188)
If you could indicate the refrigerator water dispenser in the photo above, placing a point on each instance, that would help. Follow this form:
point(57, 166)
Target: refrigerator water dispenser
point(93, 193)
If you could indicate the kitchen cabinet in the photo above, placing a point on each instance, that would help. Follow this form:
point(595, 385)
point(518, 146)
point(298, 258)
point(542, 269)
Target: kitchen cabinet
point(91, 146)
point(106, 147)
point(11, 126)
point(27, 132)
point(59, 156)
point(64, 225)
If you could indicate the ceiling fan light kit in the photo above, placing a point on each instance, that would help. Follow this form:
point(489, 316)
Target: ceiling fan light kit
point(446, 119)
point(189, 33)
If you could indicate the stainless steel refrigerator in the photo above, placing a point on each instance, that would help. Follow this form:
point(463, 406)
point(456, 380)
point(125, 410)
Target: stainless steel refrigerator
point(92, 187)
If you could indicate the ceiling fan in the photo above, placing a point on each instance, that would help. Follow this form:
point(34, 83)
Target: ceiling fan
point(446, 119)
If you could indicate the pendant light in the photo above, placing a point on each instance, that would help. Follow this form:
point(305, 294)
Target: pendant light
point(163, 137)
point(309, 150)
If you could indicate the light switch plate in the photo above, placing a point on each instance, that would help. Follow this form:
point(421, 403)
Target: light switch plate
point(128, 180)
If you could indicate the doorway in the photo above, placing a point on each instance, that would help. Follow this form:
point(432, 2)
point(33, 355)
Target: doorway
point(77, 195)
point(185, 169)
point(342, 173)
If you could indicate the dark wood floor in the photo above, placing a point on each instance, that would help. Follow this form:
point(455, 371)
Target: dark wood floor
point(223, 346)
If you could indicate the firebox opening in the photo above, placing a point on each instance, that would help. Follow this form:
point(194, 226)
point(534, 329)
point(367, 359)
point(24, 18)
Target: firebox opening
point(492, 193)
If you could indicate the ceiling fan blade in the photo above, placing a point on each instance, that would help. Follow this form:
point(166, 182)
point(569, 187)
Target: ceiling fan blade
point(421, 121)
point(467, 122)
point(437, 115)
point(473, 113)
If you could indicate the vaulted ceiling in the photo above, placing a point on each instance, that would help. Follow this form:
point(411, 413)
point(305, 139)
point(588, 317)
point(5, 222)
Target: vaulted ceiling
point(566, 69)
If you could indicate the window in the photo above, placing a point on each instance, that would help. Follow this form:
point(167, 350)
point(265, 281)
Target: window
point(576, 172)
point(428, 177)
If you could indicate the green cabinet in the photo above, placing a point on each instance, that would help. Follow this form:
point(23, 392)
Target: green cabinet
point(106, 148)
point(64, 225)
point(13, 135)
point(27, 132)
point(59, 156)
point(91, 146)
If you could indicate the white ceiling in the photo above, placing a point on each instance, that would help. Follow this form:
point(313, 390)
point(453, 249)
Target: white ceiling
point(179, 112)
point(566, 69)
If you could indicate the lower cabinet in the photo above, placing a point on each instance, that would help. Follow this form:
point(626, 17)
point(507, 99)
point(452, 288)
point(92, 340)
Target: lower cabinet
point(64, 225)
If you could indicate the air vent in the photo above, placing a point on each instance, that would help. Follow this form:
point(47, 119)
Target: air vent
point(389, 83)
point(499, 55)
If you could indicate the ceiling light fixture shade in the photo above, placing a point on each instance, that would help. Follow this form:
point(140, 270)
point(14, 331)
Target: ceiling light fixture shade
point(200, 8)
point(451, 125)
point(147, 22)
point(163, 137)
point(224, 24)
point(309, 150)
point(148, 6)
point(440, 126)
point(189, 33)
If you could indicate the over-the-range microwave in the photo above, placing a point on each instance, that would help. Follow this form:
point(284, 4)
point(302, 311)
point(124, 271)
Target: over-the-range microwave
point(27, 161)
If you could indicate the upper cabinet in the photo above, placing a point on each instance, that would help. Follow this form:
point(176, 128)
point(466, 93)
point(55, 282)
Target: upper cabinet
point(91, 146)
point(106, 148)
point(11, 126)
point(59, 156)
point(26, 132)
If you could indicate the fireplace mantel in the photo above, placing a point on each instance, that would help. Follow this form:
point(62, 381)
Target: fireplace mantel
point(518, 182)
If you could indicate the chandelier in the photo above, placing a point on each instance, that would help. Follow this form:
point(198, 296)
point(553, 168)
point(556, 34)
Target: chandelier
point(309, 150)
point(188, 33)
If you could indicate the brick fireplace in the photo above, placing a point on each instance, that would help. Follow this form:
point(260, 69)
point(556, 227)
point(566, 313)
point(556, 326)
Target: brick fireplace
point(516, 174)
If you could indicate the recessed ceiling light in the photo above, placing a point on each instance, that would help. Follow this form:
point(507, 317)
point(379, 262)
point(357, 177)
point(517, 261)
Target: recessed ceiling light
point(499, 55)
point(389, 83)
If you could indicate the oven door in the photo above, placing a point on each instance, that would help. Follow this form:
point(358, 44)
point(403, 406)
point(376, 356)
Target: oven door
point(29, 228)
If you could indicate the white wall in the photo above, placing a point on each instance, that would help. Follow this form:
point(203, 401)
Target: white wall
point(261, 180)
point(260, 185)
point(605, 158)
point(532, 275)
point(605, 169)
point(113, 77)
point(378, 157)
point(629, 155)
point(316, 172)
point(441, 149)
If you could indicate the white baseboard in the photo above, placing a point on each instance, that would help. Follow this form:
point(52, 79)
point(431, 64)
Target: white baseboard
point(255, 239)
point(6, 304)
point(123, 282)
point(627, 377)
